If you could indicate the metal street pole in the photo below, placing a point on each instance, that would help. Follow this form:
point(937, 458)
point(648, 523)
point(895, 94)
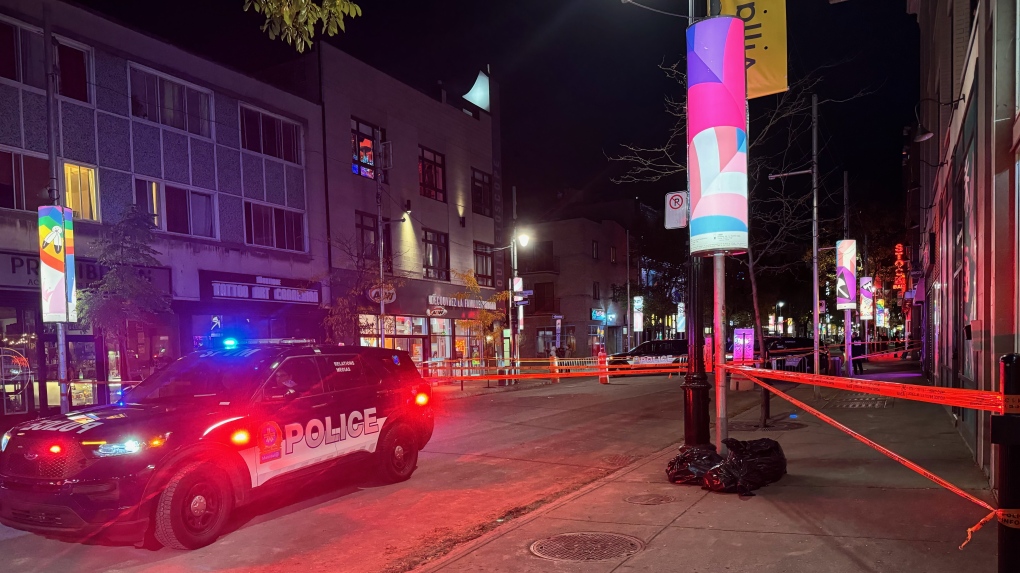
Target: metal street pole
point(847, 327)
point(515, 334)
point(695, 385)
point(814, 232)
point(377, 159)
point(628, 291)
point(719, 355)
point(51, 145)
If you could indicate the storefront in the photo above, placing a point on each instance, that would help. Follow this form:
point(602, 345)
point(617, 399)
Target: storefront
point(249, 308)
point(431, 322)
point(28, 347)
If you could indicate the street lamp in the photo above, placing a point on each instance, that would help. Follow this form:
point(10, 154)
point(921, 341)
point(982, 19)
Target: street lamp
point(779, 305)
point(523, 239)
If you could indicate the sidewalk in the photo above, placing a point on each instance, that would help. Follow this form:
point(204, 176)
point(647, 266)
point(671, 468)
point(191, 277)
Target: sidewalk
point(842, 508)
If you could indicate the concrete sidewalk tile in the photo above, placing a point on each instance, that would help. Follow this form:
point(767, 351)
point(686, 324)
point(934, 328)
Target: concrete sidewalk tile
point(878, 473)
point(712, 551)
point(511, 552)
point(607, 504)
point(913, 514)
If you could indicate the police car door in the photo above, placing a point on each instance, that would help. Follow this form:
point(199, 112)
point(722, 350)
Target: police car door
point(357, 414)
point(294, 426)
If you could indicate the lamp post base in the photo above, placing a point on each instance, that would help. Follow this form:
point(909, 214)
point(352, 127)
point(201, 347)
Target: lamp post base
point(696, 396)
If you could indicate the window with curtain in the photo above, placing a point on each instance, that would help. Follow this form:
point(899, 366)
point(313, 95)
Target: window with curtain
point(80, 193)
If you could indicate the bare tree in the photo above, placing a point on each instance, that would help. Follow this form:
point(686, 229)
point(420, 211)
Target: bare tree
point(779, 218)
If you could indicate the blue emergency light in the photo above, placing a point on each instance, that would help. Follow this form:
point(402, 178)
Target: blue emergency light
point(229, 343)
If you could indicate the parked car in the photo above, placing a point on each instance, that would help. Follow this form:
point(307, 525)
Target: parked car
point(652, 352)
point(177, 453)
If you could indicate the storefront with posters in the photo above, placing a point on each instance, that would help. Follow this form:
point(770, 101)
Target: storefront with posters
point(249, 308)
point(28, 346)
point(431, 322)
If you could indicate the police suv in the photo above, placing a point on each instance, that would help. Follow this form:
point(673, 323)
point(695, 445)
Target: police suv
point(190, 443)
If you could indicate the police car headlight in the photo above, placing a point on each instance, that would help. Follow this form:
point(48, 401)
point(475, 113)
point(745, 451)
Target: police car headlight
point(129, 446)
point(4, 440)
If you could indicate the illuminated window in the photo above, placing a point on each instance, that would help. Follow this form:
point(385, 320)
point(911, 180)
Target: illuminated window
point(270, 135)
point(80, 191)
point(167, 101)
point(268, 226)
point(612, 255)
point(481, 193)
point(363, 147)
point(483, 264)
point(436, 263)
point(432, 174)
point(147, 199)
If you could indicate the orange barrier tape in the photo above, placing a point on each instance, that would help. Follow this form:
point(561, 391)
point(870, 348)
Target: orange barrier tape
point(963, 398)
point(1011, 515)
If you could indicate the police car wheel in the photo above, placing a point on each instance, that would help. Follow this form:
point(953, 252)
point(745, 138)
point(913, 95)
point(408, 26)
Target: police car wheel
point(193, 508)
point(398, 454)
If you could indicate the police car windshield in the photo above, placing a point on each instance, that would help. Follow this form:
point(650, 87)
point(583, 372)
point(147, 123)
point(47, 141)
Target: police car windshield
point(224, 376)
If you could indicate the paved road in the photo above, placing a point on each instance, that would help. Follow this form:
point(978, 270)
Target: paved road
point(492, 457)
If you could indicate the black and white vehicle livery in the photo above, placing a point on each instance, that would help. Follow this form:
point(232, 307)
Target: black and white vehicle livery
point(653, 352)
point(190, 443)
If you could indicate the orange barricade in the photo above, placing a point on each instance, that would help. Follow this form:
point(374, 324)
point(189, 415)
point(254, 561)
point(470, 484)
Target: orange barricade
point(891, 454)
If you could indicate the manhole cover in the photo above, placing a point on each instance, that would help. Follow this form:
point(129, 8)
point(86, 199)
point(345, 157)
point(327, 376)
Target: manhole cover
point(618, 460)
point(860, 400)
point(587, 546)
point(772, 427)
point(650, 499)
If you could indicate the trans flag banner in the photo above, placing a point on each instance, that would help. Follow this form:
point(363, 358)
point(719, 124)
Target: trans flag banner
point(717, 135)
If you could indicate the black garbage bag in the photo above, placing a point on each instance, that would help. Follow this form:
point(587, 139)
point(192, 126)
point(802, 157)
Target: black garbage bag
point(690, 465)
point(748, 466)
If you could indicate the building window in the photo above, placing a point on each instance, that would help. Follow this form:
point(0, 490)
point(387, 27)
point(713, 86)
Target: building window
point(612, 255)
point(80, 191)
point(595, 250)
point(595, 291)
point(268, 226)
point(167, 101)
point(21, 60)
point(367, 231)
point(545, 297)
point(436, 262)
point(24, 181)
point(432, 174)
point(189, 212)
point(270, 135)
point(147, 200)
point(483, 264)
point(363, 148)
point(481, 193)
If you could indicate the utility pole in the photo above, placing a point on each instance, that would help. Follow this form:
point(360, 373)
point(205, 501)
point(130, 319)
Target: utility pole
point(515, 334)
point(719, 355)
point(51, 145)
point(814, 232)
point(378, 160)
point(847, 327)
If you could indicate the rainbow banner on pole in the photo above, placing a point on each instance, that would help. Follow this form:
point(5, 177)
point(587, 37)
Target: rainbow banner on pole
point(56, 268)
point(717, 135)
point(867, 298)
point(846, 275)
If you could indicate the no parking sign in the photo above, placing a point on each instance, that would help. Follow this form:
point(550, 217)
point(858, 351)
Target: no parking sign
point(676, 210)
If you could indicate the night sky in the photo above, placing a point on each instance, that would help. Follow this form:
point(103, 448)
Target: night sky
point(580, 77)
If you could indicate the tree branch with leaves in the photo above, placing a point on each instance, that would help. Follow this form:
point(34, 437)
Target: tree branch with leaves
point(295, 21)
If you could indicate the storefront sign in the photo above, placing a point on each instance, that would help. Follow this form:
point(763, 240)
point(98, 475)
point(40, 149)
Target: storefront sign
point(389, 294)
point(235, 286)
point(436, 310)
point(598, 314)
point(900, 282)
point(435, 299)
point(20, 271)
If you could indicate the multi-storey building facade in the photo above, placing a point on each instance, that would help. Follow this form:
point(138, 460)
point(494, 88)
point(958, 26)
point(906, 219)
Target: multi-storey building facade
point(230, 168)
point(577, 270)
point(441, 205)
point(965, 159)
